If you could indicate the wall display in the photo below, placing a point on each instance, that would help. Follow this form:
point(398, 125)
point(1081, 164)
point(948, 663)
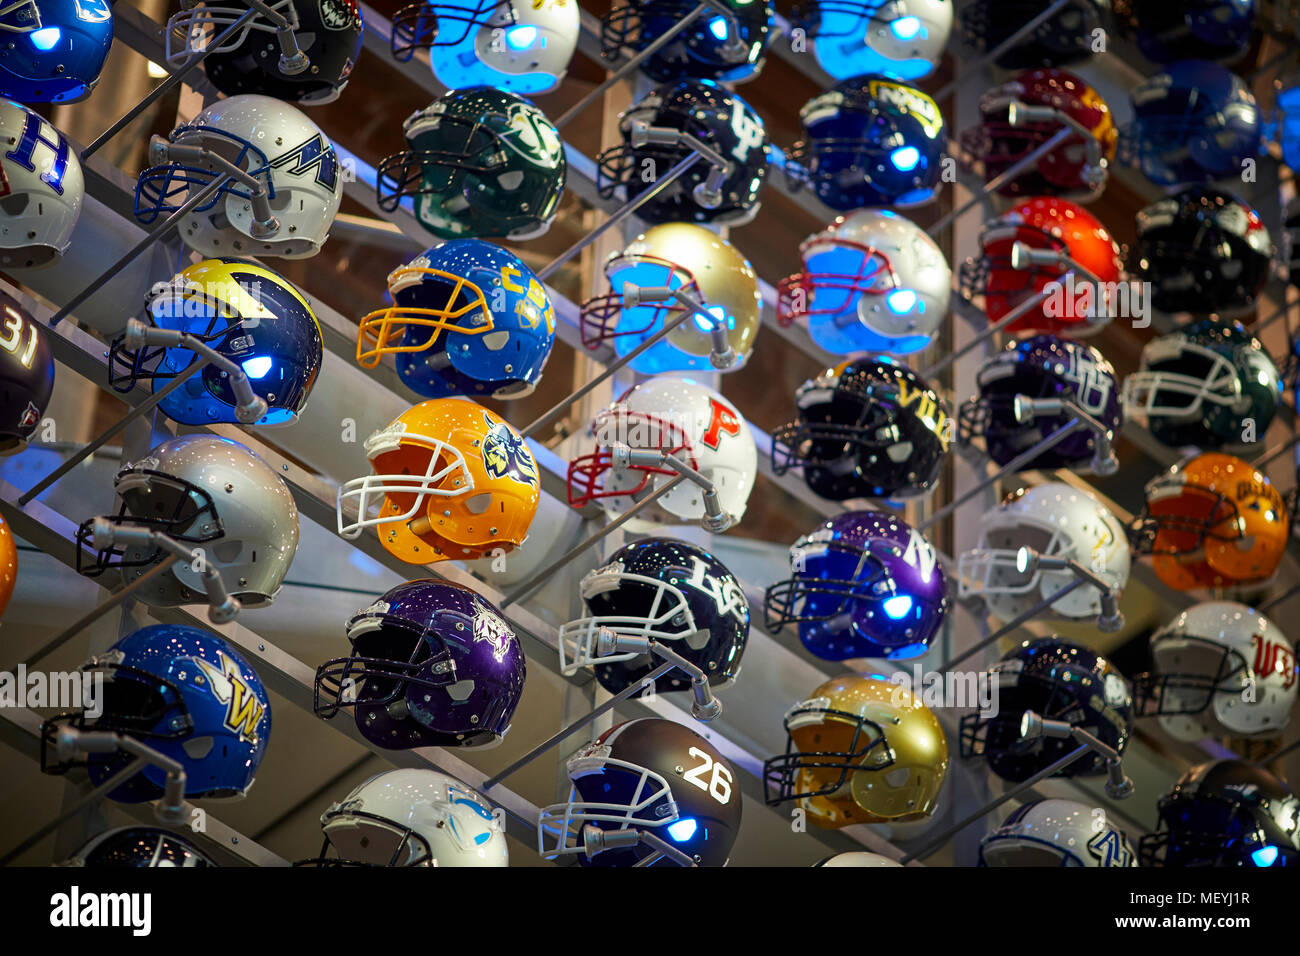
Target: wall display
point(448, 480)
point(716, 117)
point(43, 190)
point(872, 281)
point(442, 650)
point(672, 592)
point(480, 162)
point(54, 49)
point(328, 32)
point(133, 847)
point(899, 39)
point(1065, 37)
point(867, 428)
point(699, 263)
point(467, 318)
point(1056, 832)
point(523, 46)
point(26, 375)
point(729, 49)
point(1203, 29)
point(864, 584)
point(184, 692)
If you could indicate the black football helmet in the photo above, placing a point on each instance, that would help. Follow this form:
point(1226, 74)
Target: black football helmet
point(868, 428)
point(1203, 251)
point(669, 591)
point(1225, 813)
point(128, 847)
point(704, 50)
point(1190, 29)
point(710, 113)
point(1064, 37)
point(1058, 681)
point(26, 375)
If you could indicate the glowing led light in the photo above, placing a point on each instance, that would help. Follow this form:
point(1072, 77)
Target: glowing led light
point(46, 39)
point(258, 367)
point(1264, 856)
point(718, 27)
point(906, 28)
point(682, 830)
point(901, 301)
point(898, 606)
point(521, 37)
point(905, 158)
point(704, 325)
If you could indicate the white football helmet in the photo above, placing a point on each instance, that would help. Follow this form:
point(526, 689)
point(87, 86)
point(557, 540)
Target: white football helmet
point(42, 189)
point(673, 414)
point(1055, 520)
point(859, 858)
point(270, 140)
point(872, 281)
point(414, 817)
point(1057, 833)
point(1220, 668)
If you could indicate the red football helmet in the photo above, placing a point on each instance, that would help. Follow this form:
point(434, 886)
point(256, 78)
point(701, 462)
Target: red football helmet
point(1045, 224)
point(1074, 167)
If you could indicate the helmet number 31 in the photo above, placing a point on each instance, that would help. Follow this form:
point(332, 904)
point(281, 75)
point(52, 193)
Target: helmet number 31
point(719, 785)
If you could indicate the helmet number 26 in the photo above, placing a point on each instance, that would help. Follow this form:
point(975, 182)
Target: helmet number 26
point(719, 785)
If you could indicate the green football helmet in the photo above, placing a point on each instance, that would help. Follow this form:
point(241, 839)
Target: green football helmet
point(482, 163)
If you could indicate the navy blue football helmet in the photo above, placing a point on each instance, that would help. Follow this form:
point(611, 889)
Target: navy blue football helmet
point(1192, 29)
point(1064, 37)
point(54, 50)
point(714, 47)
point(869, 142)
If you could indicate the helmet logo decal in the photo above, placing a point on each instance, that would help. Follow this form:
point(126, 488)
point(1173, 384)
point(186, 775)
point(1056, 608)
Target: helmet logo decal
point(726, 593)
point(748, 129)
point(532, 136)
point(505, 455)
point(93, 11)
point(1091, 387)
point(316, 154)
point(927, 409)
point(337, 14)
point(34, 134)
point(722, 420)
point(1274, 657)
point(31, 416)
point(243, 710)
point(920, 554)
point(911, 101)
point(1110, 849)
point(488, 627)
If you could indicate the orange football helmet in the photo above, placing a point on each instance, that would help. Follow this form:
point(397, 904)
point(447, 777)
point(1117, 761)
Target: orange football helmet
point(8, 565)
point(1214, 521)
point(450, 480)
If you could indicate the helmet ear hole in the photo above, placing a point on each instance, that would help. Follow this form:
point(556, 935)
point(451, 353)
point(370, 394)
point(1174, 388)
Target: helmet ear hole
point(196, 748)
point(478, 504)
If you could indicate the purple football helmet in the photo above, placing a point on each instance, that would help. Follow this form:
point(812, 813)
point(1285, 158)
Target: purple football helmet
point(432, 665)
point(864, 584)
point(1042, 366)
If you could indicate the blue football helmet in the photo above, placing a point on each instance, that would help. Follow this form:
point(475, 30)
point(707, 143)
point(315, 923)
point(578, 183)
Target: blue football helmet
point(1192, 29)
point(468, 318)
point(54, 49)
point(870, 142)
point(1288, 129)
point(187, 694)
point(711, 48)
point(899, 39)
point(1195, 122)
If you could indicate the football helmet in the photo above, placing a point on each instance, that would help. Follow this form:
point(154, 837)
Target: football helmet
point(1202, 251)
point(329, 32)
point(1050, 224)
point(8, 565)
point(412, 817)
point(1193, 29)
point(715, 116)
point(677, 256)
point(1074, 167)
point(479, 162)
point(43, 189)
point(857, 859)
point(872, 281)
point(184, 692)
point(131, 847)
point(1288, 129)
point(1201, 384)
point(56, 49)
point(433, 664)
point(867, 428)
point(1041, 366)
point(1055, 520)
point(1057, 832)
point(215, 495)
point(247, 313)
point(1063, 38)
point(676, 415)
point(449, 480)
point(650, 775)
point(704, 50)
point(1206, 660)
point(1197, 121)
point(1058, 681)
point(1225, 813)
point(869, 142)
point(1212, 522)
point(511, 45)
point(860, 750)
point(26, 375)
point(672, 592)
point(864, 584)
point(898, 39)
point(269, 140)
point(456, 311)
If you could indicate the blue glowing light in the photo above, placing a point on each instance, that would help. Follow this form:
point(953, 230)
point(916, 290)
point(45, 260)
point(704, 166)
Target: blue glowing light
point(905, 158)
point(46, 38)
point(718, 27)
point(1264, 856)
point(906, 28)
point(898, 606)
point(704, 325)
point(521, 37)
point(682, 830)
point(901, 301)
point(259, 366)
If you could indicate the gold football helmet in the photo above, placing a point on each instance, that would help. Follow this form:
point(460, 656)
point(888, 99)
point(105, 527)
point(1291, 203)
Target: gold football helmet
point(860, 750)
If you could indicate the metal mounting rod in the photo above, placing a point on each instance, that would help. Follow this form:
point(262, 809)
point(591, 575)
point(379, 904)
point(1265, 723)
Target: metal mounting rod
point(1051, 441)
point(554, 740)
point(172, 80)
point(1262, 324)
point(931, 845)
point(631, 65)
point(197, 199)
point(1012, 624)
point(537, 580)
point(1278, 598)
point(1036, 299)
point(96, 443)
point(986, 58)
